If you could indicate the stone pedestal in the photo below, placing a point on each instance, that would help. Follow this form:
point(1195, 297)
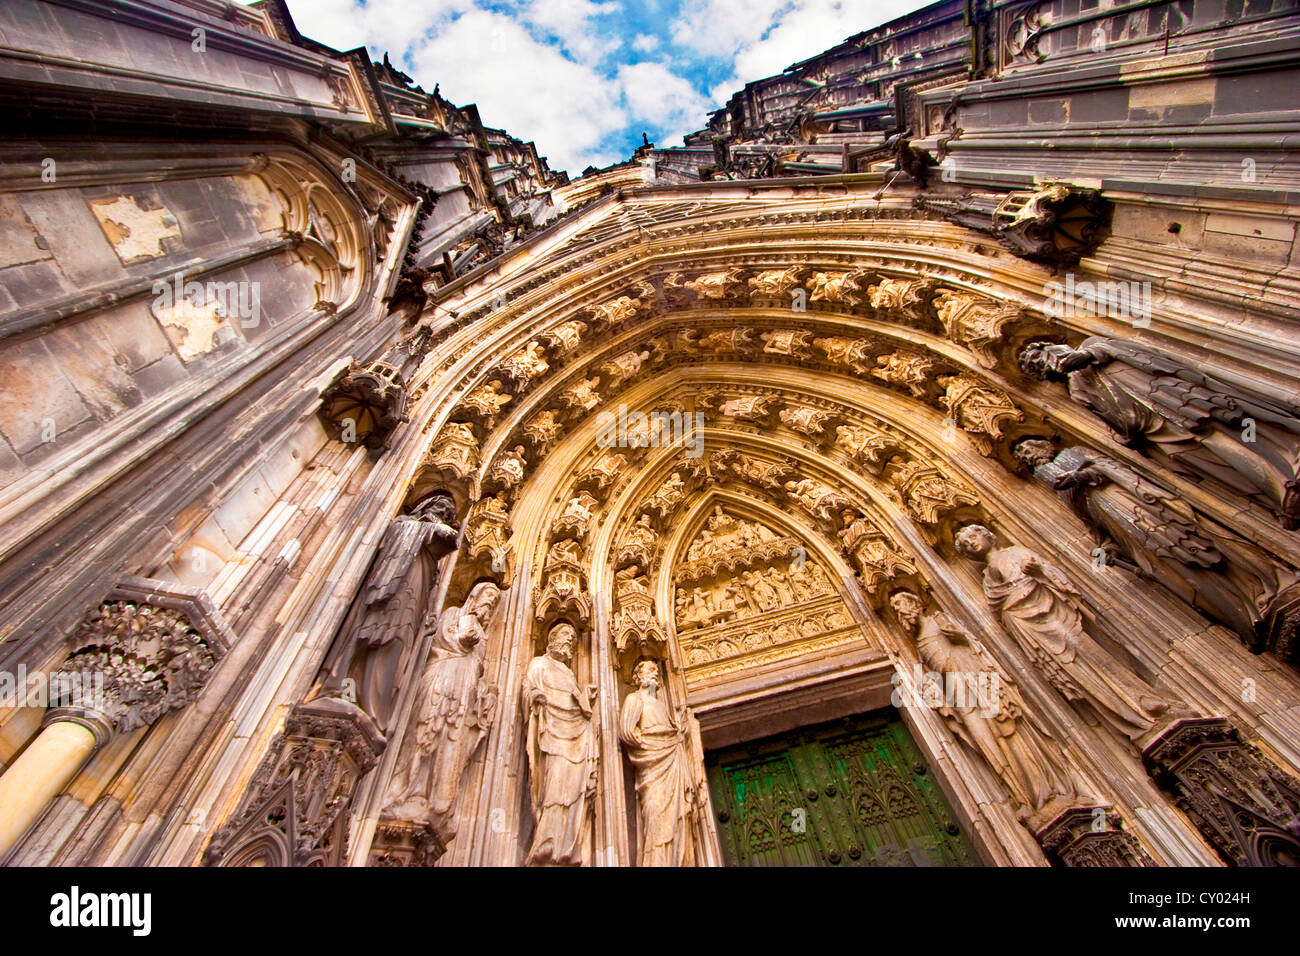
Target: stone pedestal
point(1091, 836)
point(1243, 803)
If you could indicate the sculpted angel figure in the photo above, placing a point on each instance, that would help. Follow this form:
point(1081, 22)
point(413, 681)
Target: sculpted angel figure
point(381, 629)
point(453, 714)
point(489, 399)
point(630, 584)
point(576, 516)
point(995, 727)
point(1187, 420)
point(1223, 575)
point(655, 741)
point(817, 497)
point(1042, 610)
point(562, 752)
point(642, 532)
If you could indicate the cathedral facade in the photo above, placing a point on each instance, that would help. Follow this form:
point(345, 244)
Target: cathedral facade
point(900, 472)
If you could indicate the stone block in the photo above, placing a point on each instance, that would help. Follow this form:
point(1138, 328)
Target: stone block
point(244, 507)
point(1099, 106)
point(80, 246)
point(1047, 111)
point(133, 334)
point(19, 240)
point(37, 401)
point(153, 380)
point(11, 466)
point(27, 285)
point(89, 362)
point(1256, 92)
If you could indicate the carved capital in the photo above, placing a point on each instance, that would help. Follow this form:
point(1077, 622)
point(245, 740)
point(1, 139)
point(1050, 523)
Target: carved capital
point(146, 650)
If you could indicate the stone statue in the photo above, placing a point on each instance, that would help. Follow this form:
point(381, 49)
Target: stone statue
point(996, 728)
point(642, 532)
point(486, 401)
point(381, 629)
point(453, 714)
point(562, 752)
point(819, 498)
point(667, 788)
point(696, 608)
point(765, 597)
point(1041, 609)
point(1224, 576)
point(1185, 419)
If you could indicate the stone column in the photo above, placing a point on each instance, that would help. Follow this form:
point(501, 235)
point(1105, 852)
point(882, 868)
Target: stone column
point(134, 658)
point(42, 771)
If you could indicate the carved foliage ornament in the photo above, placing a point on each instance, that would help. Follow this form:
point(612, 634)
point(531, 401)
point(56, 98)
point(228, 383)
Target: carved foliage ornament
point(926, 492)
point(132, 662)
point(564, 590)
point(975, 322)
point(485, 527)
point(977, 408)
point(455, 451)
point(877, 559)
point(637, 631)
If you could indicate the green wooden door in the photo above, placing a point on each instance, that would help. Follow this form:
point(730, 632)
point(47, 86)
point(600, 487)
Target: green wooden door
point(855, 792)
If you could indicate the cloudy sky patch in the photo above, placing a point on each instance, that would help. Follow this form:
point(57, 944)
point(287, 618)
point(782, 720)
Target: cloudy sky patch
point(584, 78)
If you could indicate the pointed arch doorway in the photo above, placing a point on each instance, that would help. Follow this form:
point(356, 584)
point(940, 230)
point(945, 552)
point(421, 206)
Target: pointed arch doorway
point(806, 762)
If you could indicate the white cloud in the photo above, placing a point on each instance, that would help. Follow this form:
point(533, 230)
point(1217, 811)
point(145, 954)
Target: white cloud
point(723, 91)
point(543, 70)
point(566, 107)
point(569, 21)
point(721, 27)
point(661, 99)
point(394, 26)
point(763, 37)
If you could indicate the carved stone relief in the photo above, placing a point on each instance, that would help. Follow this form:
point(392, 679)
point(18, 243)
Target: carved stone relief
point(1184, 419)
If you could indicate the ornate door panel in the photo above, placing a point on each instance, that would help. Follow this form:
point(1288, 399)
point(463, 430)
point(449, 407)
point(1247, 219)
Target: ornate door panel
point(855, 792)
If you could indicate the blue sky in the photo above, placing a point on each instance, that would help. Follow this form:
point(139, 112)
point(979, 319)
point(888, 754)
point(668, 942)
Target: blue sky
point(583, 78)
